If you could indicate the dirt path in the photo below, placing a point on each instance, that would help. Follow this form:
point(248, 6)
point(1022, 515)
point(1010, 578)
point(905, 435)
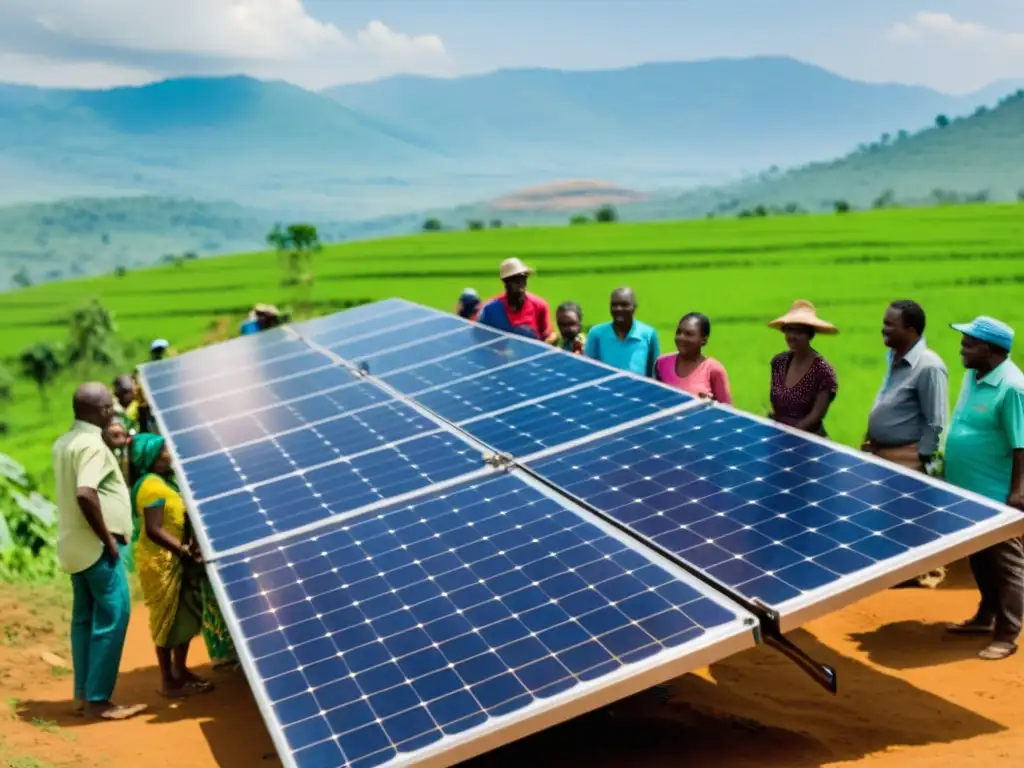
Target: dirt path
point(909, 697)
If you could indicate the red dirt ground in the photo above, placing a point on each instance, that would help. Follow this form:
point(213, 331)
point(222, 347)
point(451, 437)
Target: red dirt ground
point(909, 697)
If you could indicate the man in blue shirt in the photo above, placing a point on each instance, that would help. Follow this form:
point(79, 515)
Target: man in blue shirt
point(985, 454)
point(625, 342)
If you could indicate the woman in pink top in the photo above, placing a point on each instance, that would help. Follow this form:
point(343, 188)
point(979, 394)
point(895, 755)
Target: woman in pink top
point(688, 369)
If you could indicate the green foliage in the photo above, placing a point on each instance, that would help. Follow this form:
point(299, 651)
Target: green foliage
point(606, 214)
point(41, 363)
point(28, 527)
point(120, 271)
point(432, 225)
point(496, 223)
point(21, 278)
point(6, 386)
point(941, 121)
point(92, 332)
point(885, 200)
point(474, 225)
point(578, 220)
point(841, 206)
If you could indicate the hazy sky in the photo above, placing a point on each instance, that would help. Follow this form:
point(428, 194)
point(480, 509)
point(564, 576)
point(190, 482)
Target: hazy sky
point(951, 45)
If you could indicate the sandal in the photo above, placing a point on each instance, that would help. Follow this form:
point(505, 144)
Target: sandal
point(116, 711)
point(997, 651)
point(975, 626)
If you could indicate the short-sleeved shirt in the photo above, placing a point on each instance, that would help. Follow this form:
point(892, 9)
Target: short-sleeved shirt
point(791, 405)
point(637, 352)
point(708, 379)
point(534, 315)
point(912, 407)
point(986, 428)
point(82, 460)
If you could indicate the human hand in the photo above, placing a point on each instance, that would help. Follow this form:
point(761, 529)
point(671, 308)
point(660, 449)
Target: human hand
point(1016, 500)
point(112, 551)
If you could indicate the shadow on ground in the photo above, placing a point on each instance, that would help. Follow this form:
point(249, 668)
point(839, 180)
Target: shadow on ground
point(757, 710)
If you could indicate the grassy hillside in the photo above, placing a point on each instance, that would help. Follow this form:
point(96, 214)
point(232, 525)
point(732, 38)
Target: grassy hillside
point(958, 262)
point(980, 154)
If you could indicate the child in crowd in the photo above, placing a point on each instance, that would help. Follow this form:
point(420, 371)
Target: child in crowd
point(569, 318)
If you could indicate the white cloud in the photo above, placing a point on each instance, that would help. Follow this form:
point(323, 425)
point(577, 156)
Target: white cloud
point(927, 26)
point(266, 38)
point(60, 73)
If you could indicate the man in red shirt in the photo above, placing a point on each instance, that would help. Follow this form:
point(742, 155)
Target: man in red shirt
point(517, 311)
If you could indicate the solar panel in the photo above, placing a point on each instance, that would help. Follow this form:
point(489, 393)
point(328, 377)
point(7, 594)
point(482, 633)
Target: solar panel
point(414, 332)
point(508, 386)
point(458, 620)
point(799, 523)
point(574, 413)
point(220, 432)
point(364, 320)
point(463, 364)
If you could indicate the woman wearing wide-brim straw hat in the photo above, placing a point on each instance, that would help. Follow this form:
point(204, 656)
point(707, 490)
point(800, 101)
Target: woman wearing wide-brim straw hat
point(803, 384)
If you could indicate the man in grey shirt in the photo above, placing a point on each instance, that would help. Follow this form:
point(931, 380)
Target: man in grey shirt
point(912, 407)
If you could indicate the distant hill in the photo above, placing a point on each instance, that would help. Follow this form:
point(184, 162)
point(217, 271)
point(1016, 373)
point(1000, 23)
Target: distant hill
point(980, 157)
point(406, 143)
point(87, 237)
point(563, 196)
point(679, 122)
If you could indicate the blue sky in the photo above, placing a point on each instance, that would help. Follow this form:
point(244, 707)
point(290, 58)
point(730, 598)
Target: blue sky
point(952, 45)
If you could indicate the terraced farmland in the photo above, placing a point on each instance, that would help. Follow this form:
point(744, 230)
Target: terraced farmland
point(957, 261)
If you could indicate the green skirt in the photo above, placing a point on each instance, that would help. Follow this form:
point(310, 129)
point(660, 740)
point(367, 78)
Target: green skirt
point(218, 641)
point(188, 621)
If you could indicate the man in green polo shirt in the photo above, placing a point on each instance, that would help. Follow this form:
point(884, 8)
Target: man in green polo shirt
point(94, 525)
point(985, 454)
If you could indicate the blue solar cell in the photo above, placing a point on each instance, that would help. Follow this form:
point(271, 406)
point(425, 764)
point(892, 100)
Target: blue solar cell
point(385, 633)
point(407, 333)
point(768, 513)
point(256, 425)
point(240, 381)
point(509, 386)
point(472, 361)
point(462, 339)
point(238, 353)
point(257, 396)
point(322, 442)
point(246, 516)
point(561, 418)
point(361, 320)
point(335, 331)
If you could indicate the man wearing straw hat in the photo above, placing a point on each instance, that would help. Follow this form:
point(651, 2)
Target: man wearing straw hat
point(516, 311)
point(911, 409)
point(985, 454)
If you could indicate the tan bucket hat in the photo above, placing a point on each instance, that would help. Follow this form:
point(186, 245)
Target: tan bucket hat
point(512, 267)
point(266, 309)
point(803, 313)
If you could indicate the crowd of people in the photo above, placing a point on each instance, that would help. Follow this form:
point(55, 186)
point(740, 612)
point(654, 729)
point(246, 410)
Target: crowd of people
point(120, 509)
point(909, 419)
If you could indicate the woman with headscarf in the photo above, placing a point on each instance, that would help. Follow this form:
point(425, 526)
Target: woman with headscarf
point(169, 566)
point(803, 384)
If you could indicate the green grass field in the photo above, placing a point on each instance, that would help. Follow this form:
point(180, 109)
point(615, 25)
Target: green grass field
point(957, 262)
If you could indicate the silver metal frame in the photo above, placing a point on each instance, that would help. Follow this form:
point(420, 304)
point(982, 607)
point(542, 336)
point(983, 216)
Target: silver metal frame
point(716, 644)
point(849, 589)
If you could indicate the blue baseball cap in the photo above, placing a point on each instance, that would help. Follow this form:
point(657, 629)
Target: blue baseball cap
point(989, 330)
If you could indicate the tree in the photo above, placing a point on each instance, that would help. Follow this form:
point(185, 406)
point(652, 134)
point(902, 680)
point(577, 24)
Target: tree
point(120, 271)
point(474, 225)
point(40, 363)
point(606, 214)
point(92, 330)
point(432, 225)
point(841, 206)
point(760, 211)
point(21, 278)
point(902, 135)
point(885, 200)
point(942, 121)
point(277, 238)
point(6, 386)
point(579, 219)
point(495, 223)
point(1020, 195)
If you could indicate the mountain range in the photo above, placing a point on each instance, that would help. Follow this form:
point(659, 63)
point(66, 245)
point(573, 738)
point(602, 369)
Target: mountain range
point(405, 143)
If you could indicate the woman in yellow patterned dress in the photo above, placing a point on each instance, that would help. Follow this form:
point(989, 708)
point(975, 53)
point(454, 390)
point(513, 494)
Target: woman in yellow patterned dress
point(169, 566)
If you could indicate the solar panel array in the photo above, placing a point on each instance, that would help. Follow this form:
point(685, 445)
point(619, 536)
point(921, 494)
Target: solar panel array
point(397, 595)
